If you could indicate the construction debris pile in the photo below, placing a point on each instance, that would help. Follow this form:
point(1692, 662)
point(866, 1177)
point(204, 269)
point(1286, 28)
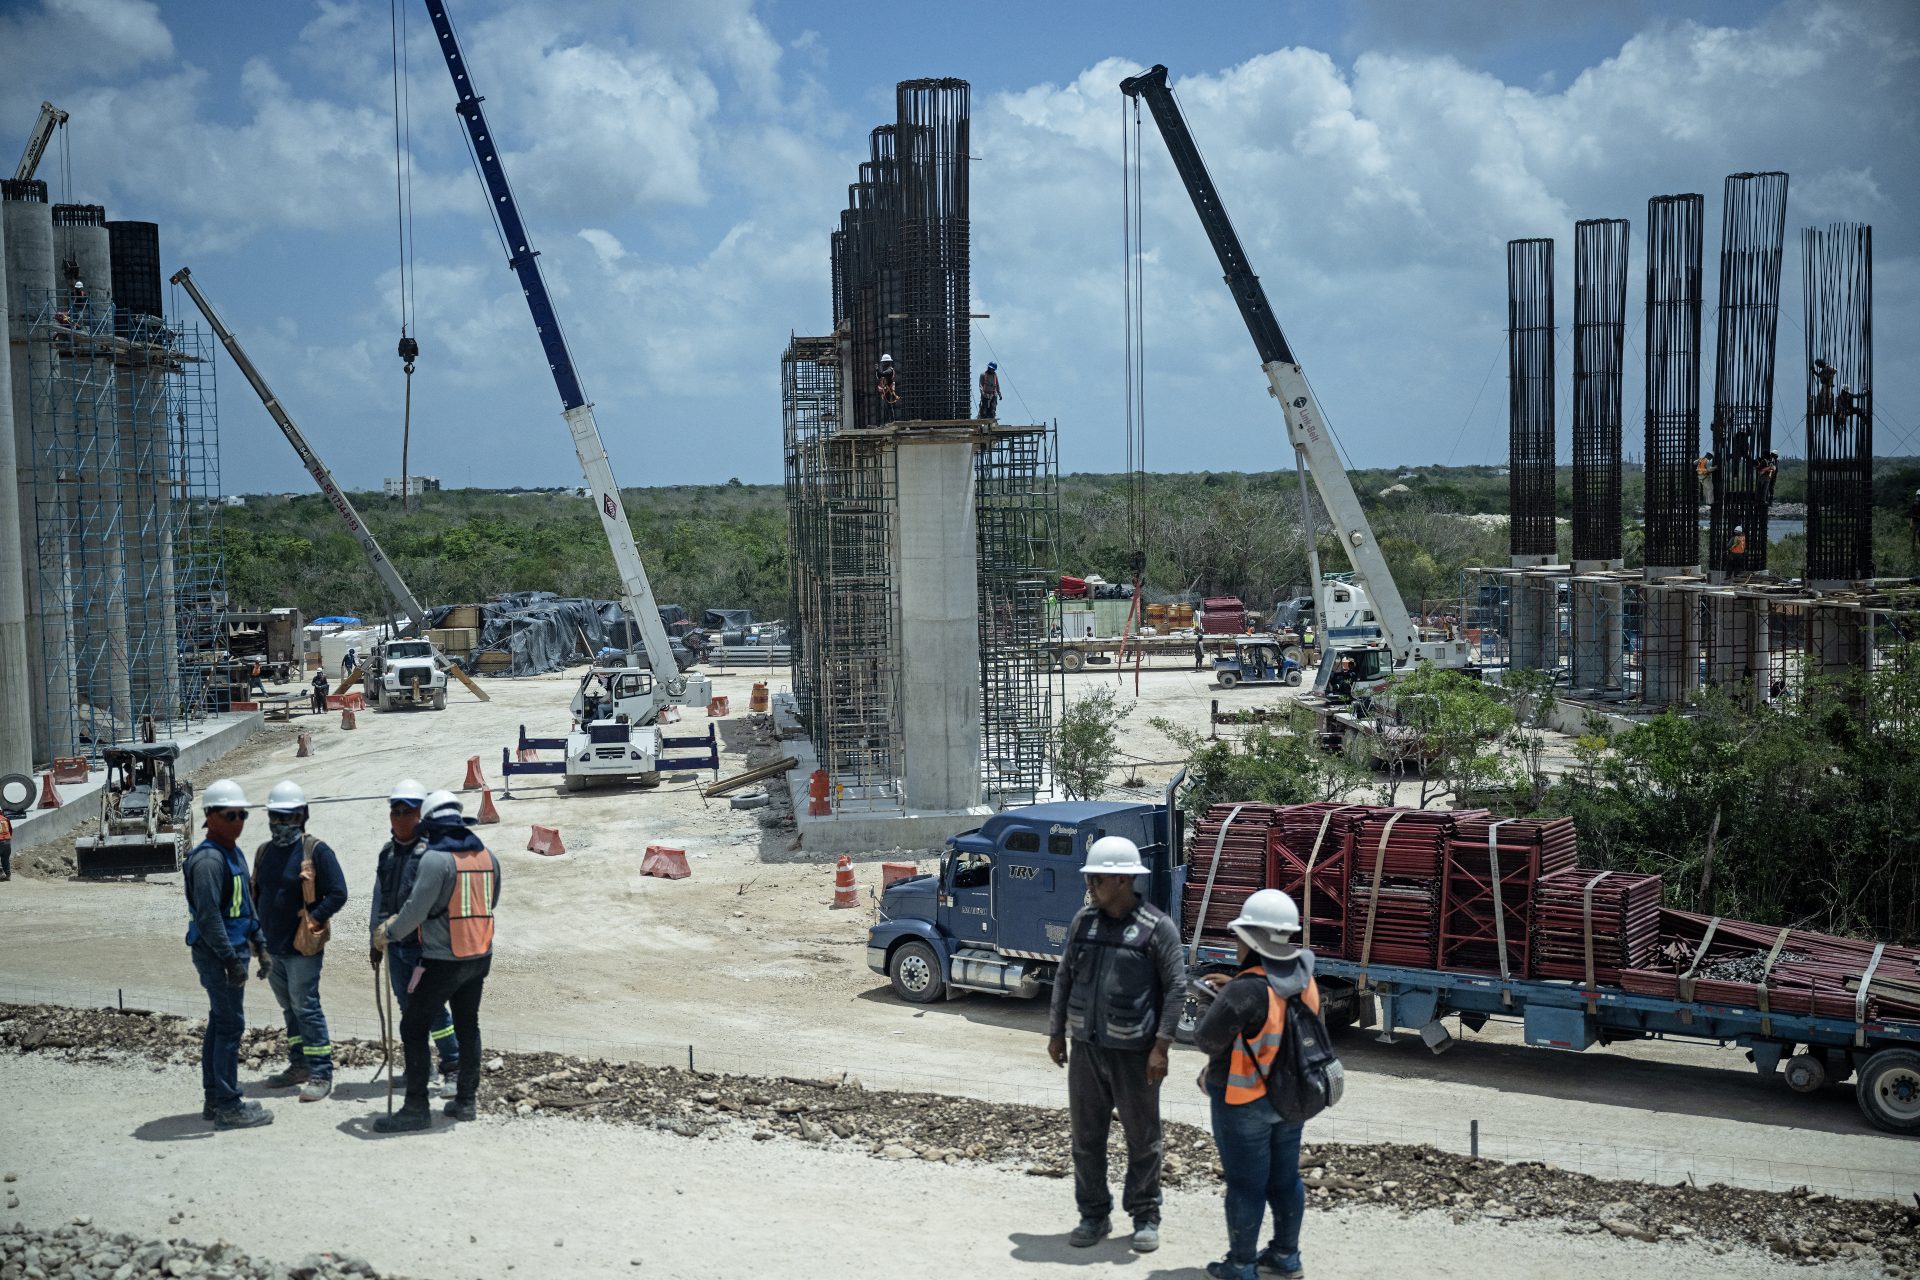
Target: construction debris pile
point(77, 1250)
point(942, 1129)
point(1468, 892)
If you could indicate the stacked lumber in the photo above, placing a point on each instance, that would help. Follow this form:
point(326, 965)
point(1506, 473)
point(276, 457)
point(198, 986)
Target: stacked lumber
point(1474, 918)
point(1616, 911)
point(1241, 867)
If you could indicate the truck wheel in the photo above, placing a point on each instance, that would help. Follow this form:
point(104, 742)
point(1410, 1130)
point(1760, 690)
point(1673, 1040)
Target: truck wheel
point(439, 699)
point(1228, 679)
point(1072, 660)
point(914, 971)
point(1889, 1090)
point(1293, 679)
point(1296, 654)
point(572, 783)
point(1805, 1073)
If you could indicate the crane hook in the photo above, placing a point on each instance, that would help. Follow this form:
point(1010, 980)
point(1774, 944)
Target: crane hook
point(409, 351)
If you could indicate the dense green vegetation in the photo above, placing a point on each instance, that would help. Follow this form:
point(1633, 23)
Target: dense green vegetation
point(1218, 533)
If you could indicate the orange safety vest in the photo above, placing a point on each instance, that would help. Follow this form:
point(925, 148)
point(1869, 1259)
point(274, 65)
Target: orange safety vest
point(470, 905)
point(6, 828)
point(1252, 1060)
point(1739, 545)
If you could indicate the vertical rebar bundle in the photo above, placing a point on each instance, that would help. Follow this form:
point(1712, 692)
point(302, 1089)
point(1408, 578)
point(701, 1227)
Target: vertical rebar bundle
point(1017, 514)
point(1599, 339)
point(934, 358)
point(1674, 241)
point(1838, 266)
point(1752, 233)
point(1530, 478)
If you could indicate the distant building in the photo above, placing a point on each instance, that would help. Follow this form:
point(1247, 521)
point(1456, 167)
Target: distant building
point(416, 485)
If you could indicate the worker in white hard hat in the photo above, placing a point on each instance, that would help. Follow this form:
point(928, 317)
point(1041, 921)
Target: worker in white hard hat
point(449, 912)
point(393, 877)
point(1117, 994)
point(221, 932)
point(1737, 545)
point(1241, 1033)
point(888, 386)
point(298, 887)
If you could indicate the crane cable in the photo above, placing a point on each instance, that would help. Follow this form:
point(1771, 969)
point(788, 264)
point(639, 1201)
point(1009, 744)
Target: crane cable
point(409, 349)
point(1135, 426)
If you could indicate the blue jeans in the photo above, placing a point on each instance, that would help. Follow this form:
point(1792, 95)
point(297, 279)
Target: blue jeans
point(1261, 1157)
point(401, 962)
point(226, 1023)
point(295, 980)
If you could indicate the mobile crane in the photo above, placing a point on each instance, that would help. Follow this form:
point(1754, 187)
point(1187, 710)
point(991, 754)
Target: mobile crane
point(611, 704)
point(1400, 645)
point(51, 118)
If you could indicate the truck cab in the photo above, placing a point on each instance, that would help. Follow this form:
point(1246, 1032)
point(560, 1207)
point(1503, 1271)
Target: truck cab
point(994, 917)
point(408, 672)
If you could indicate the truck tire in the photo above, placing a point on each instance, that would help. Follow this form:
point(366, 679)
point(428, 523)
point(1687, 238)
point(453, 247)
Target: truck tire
point(439, 699)
point(914, 971)
point(1296, 654)
point(1293, 679)
point(1889, 1090)
point(1072, 660)
point(1228, 679)
point(572, 783)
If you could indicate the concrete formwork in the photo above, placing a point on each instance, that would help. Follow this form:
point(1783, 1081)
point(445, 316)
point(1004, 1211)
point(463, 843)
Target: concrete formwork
point(1597, 607)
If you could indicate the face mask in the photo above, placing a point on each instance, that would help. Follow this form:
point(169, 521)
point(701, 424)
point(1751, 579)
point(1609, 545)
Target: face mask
point(284, 832)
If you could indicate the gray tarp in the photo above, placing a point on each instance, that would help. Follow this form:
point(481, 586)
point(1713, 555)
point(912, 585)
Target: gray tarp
point(543, 632)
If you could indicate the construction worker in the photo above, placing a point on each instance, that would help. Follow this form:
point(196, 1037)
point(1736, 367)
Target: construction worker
point(1703, 467)
point(284, 868)
point(320, 691)
point(1199, 650)
point(1769, 472)
point(1117, 996)
point(1738, 546)
point(1823, 374)
point(398, 867)
point(888, 386)
point(450, 911)
point(6, 847)
point(221, 930)
point(1913, 523)
point(990, 391)
point(348, 661)
point(1240, 1033)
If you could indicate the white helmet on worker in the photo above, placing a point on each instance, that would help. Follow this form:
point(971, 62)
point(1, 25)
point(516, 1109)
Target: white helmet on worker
point(442, 807)
point(224, 793)
point(408, 791)
point(1113, 856)
point(1268, 922)
point(885, 358)
point(287, 796)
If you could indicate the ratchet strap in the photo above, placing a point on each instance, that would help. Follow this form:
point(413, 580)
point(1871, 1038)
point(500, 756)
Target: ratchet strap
point(1306, 880)
point(1766, 1020)
point(1860, 997)
point(1683, 986)
point(1586, 922)
point(1373, 897)
point(1499, 908)
point(1206, 895)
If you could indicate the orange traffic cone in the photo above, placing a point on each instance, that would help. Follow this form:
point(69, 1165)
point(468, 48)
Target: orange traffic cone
point(487, 812)
point(346, 718)
point(817, 805)
point(49, 797)
point(306, 745)
point(718, 706)
point(845, 892)
point(474, 782)
point(759, 700)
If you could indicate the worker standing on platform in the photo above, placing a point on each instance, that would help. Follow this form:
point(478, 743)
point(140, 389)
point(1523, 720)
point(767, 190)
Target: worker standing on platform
point(398, 867)
point(888, 388)
point(1117, 996)
point(1738, 547)
point(221, 931)
point(297, 887)
point(990, 391)
point(450, 908)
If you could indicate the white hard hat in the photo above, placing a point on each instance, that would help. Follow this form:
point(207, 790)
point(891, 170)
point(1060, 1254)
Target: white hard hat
point(286, 795)
point(224, 793)
point(409, 790)
point(1113, 856)
point(885, 358)
point(1267, 923)
point(1739, 528)
point(441, 806)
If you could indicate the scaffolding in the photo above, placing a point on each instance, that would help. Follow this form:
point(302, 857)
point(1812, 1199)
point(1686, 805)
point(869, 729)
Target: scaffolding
point(1752, 233)
point(1838, 266)
point(1674, 231)
point(125, 491)
point(1017, 514)
point(1530, 476)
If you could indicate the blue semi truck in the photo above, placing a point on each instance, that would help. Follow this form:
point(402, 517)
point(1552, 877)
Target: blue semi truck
point(994, 919)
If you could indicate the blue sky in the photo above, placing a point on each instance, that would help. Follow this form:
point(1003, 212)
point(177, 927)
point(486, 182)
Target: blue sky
point(680, 167)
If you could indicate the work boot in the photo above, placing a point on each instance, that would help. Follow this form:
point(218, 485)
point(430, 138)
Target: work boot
point(1091, 1231)
point(446, 1084)
point(288, 1078)
point(406, 1120)
point(246, 1115)
point(460, 1110)
point(1228, 1269)
point(1146, 1235)
point(1286, 1266)
point(316, 1090)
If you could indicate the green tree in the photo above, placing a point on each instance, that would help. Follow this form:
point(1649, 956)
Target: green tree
point(1087, 742)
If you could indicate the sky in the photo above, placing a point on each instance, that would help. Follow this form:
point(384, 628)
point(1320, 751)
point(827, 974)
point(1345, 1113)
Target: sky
point(680, 167)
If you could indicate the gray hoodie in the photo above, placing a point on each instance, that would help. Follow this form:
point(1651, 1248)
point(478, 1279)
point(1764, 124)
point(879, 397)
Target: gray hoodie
point(1241, 1008)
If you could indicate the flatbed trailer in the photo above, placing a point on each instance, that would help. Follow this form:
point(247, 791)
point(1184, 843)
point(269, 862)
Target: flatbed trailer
point(1077, 655)
point(1883, 1055)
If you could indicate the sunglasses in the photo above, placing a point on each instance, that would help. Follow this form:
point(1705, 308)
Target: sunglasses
point(403, 806)
point(231, 815)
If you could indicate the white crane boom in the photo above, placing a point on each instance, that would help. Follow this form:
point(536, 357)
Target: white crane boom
point(51, 118)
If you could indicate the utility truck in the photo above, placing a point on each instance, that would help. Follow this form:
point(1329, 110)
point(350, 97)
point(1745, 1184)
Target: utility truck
point(407, 673)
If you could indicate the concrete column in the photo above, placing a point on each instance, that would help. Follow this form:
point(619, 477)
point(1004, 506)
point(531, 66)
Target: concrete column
point(936, 570)
point(1597, 631)
point(50, 668)
point(1666, 645)
point(98, 547)
point(16, 703)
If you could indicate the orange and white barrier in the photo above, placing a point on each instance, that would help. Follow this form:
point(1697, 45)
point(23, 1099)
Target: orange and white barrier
point(346, 718)
point(758, 702)
point(891, 871)
point(846, 893)
point(475, 780)
point(818, 787)
point(487, 813)
point(545, 841)
point(718, 706)
point(667, 863)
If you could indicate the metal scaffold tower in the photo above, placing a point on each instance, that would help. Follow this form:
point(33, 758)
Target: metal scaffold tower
point(1674, 244)
point(1530, 481)
point(1837, 262)
point(1752, 233)
point(1017, 496)
point(125, 487)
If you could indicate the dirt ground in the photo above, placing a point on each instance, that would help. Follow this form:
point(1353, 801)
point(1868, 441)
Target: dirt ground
point(122, 1148)
point(745, 966)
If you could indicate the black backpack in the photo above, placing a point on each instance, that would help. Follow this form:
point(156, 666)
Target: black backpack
point(1306, 1077)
